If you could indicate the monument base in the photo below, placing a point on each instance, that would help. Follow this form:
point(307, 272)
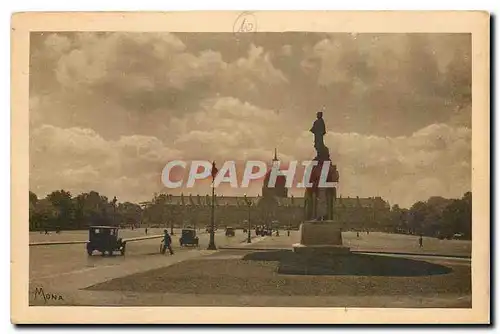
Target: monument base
point(320, 239)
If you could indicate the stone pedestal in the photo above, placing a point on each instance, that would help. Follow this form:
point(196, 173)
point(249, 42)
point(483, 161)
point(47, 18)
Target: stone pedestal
point(320, 238)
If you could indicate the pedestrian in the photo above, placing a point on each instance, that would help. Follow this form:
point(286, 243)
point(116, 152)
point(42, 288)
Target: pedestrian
point(146, 231)
point(288, 232)
point(167, 241)
point(420, 241)
point(357, 234)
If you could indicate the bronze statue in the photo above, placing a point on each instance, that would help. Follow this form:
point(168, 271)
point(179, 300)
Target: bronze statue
point(319, 201)
point(319, 131)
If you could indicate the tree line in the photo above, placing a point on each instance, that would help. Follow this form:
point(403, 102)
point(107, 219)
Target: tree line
point(437, 217)
point(59, 210)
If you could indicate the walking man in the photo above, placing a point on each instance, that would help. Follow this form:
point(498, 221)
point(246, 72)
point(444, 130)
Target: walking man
point(167, 240)
point(420, 241)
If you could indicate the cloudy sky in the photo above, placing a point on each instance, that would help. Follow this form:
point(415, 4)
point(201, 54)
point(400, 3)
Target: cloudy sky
point(108, 110)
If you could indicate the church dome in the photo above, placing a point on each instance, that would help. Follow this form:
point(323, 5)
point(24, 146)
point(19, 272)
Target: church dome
point(279, 189)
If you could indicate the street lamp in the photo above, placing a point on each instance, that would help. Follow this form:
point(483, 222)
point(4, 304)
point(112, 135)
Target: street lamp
point(114, 210)
point(195, 215)
point(249, 203)
point(211, 244)
point(171, 209)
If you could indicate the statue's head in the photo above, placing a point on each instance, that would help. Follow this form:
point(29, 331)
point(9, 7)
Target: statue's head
point(319, 114)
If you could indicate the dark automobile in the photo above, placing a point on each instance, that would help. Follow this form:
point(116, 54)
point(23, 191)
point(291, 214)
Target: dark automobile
point(266, 231)
point(104, 239)
point(188, 237)
point(230, 232)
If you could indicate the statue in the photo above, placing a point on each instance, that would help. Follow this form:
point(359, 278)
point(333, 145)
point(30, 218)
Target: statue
point(320, 201)
point(319, 131)
point(321, 232)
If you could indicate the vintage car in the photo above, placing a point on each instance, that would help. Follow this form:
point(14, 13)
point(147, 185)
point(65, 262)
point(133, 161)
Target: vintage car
point(230, 232)
point(104, 239)
point(188, 237)
point(265, 230)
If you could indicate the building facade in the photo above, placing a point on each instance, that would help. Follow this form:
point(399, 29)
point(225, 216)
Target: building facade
point(273, 206)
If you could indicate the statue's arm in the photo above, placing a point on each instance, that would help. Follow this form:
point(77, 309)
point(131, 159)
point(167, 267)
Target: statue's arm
point(313, 128)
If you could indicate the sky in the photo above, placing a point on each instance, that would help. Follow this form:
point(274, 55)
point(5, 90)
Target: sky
point(108, 110)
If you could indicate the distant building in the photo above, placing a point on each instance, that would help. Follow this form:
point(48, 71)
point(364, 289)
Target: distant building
point(274, 204)
point(279, 190)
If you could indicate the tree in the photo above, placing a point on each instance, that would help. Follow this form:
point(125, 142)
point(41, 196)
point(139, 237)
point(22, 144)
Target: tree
point(79, 205)
point(397, 219)
point(418, 213)
point(62, 202)
point(433, 222)
point(467, 222)
point(33, 198)
point(457, 217)
point(128, 213)
point(44, 215)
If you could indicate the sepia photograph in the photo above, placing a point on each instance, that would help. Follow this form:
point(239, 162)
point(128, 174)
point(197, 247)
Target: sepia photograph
point(257, 165)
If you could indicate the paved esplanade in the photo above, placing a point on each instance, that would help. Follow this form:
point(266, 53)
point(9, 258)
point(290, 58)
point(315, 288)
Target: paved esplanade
point(52, 261)
point(67, 270)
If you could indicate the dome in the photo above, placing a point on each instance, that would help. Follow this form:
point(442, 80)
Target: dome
point(279, 188)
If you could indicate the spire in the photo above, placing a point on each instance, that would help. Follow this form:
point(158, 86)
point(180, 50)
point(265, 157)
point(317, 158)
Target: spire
point(275, 154)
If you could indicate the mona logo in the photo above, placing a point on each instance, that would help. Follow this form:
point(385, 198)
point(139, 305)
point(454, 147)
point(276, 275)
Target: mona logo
point(46, 296)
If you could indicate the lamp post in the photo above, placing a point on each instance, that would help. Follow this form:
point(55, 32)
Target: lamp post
point(171, 210)
point(249, 238)
point(211, 244)
point(114, 210)
point(195, 215)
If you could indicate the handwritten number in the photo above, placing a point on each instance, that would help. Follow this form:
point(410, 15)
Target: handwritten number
point(246, 26)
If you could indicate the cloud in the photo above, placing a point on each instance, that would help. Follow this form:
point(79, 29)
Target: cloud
point(393, 76)
point(108, 110)
point(133, 78)
point(432, 161)
point(80, 160)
